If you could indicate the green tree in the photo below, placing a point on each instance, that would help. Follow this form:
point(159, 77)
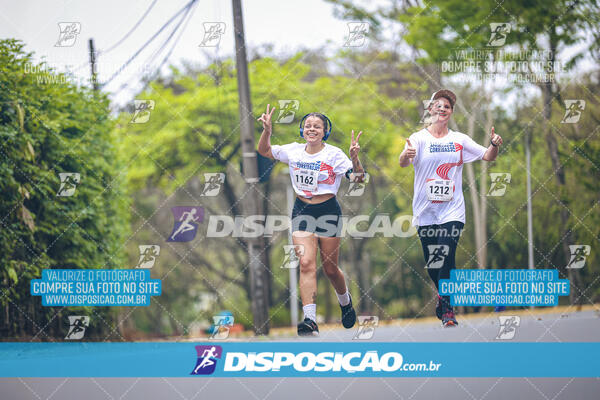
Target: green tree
point(193, 130)
point(50, 126)
point(439, 27)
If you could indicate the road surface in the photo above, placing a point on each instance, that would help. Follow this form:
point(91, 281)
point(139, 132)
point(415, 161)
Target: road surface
point(554, 325)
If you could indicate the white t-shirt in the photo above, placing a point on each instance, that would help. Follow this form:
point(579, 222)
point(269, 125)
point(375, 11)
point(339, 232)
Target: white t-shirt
point(313, 174)
point(443, 159)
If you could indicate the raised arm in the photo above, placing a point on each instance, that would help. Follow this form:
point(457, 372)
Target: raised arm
point(358, 172)
point(264, 143)
point(492, 151)
point(408, 155)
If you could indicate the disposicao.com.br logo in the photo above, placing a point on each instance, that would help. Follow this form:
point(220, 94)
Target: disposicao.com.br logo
point(327, 363)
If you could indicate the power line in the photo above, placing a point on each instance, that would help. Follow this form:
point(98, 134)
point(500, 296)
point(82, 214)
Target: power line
point(120, 41)
point(184, 20)
point(164, 45)
point(191, 12)
point(130, 31)
point(186, 7)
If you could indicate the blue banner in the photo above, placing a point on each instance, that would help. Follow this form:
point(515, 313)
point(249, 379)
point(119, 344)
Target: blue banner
point(504, 287)
point(299, 359)
point(95, 287)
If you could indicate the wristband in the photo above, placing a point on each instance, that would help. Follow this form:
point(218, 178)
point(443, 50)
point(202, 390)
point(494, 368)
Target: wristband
point(351, 170)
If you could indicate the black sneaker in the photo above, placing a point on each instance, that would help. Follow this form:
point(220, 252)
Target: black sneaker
point(448, 319)
point(308, 327)
point(348, 314)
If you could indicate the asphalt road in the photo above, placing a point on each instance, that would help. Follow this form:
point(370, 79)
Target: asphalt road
point(535, 326)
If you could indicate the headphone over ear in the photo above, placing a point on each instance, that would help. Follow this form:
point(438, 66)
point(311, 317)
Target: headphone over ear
point(327, 132)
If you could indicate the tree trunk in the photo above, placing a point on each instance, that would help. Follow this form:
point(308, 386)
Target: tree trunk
point(266, 244)
point(476, 202)
point(483, 250)
point(479, 194)
point(565, 232)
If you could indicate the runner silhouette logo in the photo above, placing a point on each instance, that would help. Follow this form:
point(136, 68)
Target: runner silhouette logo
point(287, 111)
point(579, 253)
point(141, 111)
point(68, 183)
point(212, 34)
point(68, 33)
point(148, 255)
point(186, 223)
point(207, 359)
point(213, 182)
point(366, 327)
point(437, 254)
point(291, 259)
point(508, 326)
point(357, 34)
point(221, 326)
point(77, 326)
point(499, 33)
point(573, 111)
point(498, 183)
point(357, 188)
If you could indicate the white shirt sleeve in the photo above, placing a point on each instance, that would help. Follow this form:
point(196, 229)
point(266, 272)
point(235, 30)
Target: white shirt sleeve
point(472, 150)
point(281, 153)
point(342, 163)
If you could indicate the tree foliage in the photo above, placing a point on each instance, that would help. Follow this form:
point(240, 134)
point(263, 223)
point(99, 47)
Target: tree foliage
point(50, 126)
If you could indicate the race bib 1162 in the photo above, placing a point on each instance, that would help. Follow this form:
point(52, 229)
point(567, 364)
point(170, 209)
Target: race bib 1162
point(306, 179)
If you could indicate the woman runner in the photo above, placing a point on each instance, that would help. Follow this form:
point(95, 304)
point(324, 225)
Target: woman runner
point(316, 169)
point(437, 154)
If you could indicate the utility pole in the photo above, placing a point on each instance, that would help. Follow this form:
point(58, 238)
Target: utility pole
point(94, 73)
point(252, 205)
point(529, 200)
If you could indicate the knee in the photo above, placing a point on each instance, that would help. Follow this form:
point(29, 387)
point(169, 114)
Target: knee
point(331, 269)
point(307, 265)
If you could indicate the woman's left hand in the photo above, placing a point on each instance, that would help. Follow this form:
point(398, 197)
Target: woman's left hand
point(496, 139)
point(354, 146)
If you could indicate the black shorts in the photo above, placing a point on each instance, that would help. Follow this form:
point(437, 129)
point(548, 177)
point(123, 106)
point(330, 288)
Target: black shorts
point(324, 219)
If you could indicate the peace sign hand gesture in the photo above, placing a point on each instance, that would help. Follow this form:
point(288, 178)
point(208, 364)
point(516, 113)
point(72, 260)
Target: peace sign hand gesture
point(354, 146)
point(495, 139)
point(266, 119)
